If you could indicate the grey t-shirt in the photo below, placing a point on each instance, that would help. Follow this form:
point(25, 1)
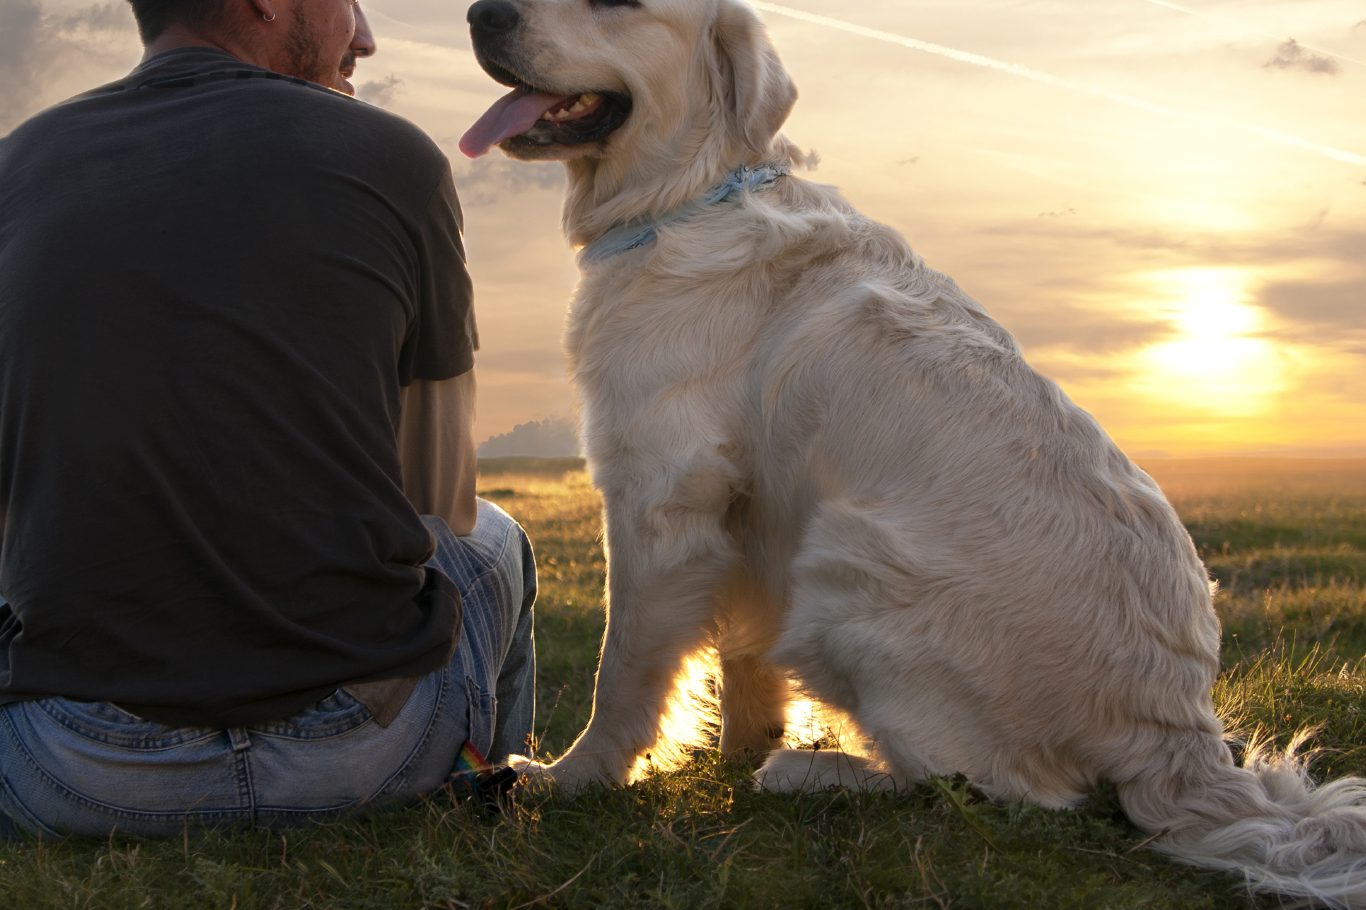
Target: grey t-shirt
point(214, 281)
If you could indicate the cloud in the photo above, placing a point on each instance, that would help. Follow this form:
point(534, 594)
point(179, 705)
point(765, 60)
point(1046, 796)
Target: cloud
point(1070, 367)
point(1291, 56)
point(107, 17)
point(379, 92)
point(486, 180)
point(1092, 308)
point(22, 44)
point(1337, 306)
point(1089, 331)
point(1071, 243)
point(549, 438)
point(45, 57)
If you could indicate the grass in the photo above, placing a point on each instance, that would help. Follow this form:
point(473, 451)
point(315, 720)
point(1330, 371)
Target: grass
point(1287, 546)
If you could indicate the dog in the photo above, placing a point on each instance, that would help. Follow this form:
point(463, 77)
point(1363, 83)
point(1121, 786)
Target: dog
point(823, 457)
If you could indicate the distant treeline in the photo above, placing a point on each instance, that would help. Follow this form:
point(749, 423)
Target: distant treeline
point(554, 437)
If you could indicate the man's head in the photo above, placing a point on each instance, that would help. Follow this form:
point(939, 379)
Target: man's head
point(154, 16)
point(318, 35)
point(303, 38)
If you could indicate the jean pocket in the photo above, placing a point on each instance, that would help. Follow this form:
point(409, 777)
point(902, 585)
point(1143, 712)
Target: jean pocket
point(336, 715)
point(110, 724)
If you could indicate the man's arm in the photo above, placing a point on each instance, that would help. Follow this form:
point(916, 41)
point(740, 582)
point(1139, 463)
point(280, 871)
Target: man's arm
point(436, 448)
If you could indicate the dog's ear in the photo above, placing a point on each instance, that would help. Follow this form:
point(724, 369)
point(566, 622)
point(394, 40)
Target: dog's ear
point(756, 89)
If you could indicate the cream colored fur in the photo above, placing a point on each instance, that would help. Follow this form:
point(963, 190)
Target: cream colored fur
point(822, 456)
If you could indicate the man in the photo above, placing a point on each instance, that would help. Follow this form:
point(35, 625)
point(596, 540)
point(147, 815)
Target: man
point(237, 512)
point(362, 45)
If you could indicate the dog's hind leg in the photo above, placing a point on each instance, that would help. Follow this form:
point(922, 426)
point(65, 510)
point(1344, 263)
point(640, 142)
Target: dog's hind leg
point(939, 683)
point(753, 696)
point(868, 635)
point(754, 692)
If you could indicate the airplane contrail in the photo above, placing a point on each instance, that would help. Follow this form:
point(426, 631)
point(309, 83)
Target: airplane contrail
point(1235, 24)
point(1025, 72)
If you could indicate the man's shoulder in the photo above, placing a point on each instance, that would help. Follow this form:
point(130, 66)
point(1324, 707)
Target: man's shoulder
point(378, 121)
point(56, 116)
point(355, 123)
point(213, 99)
point(390, 150)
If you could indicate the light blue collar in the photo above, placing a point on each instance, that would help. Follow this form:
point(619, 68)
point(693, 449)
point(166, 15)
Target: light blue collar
point(632, 235)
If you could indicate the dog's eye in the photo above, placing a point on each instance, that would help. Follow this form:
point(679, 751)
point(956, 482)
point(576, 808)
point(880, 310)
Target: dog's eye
point(598, 3)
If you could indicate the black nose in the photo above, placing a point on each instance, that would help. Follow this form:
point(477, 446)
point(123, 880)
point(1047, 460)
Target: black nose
point(493, 16)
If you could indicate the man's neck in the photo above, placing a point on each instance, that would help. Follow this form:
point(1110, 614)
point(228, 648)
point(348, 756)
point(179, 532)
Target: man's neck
point(175, 37)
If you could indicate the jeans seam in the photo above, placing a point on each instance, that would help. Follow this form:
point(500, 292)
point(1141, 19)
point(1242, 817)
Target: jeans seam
point(246, 793)
point(478, 698)
point(26, 816)
point(337, 729)
point(410, 759)
point(123, 741)
point(104, 808)
point(514, 530)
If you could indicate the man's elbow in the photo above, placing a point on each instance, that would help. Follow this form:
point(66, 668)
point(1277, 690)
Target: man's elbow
point(463, 517)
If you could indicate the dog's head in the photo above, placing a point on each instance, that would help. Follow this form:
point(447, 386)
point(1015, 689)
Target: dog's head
point(615, 79)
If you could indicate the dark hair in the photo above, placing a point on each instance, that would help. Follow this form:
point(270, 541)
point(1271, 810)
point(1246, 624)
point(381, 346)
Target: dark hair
point(153, 16)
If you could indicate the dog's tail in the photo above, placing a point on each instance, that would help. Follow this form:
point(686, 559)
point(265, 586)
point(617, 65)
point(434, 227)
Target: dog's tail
point(1264, 820)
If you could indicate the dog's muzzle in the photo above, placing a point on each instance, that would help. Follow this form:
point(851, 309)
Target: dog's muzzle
point(493, 19)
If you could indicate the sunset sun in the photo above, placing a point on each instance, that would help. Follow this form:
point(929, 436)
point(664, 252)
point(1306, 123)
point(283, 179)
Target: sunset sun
point(1217, 358)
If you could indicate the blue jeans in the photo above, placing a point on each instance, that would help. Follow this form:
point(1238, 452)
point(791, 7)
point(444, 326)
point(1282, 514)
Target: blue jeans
point(81, 768)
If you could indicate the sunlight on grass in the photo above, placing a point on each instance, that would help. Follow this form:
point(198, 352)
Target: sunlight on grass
point(1280, 692)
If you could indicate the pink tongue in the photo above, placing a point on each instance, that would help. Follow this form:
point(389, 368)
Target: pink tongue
point(513, 114)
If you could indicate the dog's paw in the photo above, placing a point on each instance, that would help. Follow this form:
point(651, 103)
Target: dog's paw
point(788, 771)
point(565, 776)
point(531, 774)
point(525, 766)
point(803, 771)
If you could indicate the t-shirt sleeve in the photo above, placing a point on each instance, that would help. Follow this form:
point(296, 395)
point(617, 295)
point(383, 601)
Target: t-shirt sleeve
point(443, 338)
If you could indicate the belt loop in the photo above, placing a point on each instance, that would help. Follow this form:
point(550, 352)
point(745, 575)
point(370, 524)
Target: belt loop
point(239, 739)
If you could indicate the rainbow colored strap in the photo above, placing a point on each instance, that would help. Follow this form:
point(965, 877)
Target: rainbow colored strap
point(473, 776)
point(470, 761)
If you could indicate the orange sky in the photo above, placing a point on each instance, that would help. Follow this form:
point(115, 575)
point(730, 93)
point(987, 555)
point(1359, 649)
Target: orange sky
point(1165, 202)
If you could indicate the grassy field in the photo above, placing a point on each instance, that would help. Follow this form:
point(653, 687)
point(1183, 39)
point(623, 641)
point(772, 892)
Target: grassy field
point(1286, 540)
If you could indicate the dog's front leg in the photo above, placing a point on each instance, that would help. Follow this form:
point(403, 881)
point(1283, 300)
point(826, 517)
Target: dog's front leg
point(667, 555)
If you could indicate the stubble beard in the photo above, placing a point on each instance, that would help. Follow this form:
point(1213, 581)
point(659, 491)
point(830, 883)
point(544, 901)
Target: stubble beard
point(306, 58)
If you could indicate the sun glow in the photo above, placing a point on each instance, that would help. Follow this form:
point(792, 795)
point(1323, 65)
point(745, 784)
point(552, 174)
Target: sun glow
point(1218, 360)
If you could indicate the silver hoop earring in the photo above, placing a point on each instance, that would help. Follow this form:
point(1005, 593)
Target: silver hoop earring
point(270, 18)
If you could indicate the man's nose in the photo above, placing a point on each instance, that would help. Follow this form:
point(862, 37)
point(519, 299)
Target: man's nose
point(363, 41)
point(493, 17)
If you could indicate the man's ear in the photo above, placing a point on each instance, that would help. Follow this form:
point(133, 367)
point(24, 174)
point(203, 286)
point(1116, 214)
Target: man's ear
point(262, 9)
point(756, 89)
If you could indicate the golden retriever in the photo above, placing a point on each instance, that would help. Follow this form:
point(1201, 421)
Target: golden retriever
point(822, 456)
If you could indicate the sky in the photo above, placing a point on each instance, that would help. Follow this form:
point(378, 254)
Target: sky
point(1164, 202)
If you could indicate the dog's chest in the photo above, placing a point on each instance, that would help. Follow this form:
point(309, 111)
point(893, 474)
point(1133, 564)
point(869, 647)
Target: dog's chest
point(638, 336)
